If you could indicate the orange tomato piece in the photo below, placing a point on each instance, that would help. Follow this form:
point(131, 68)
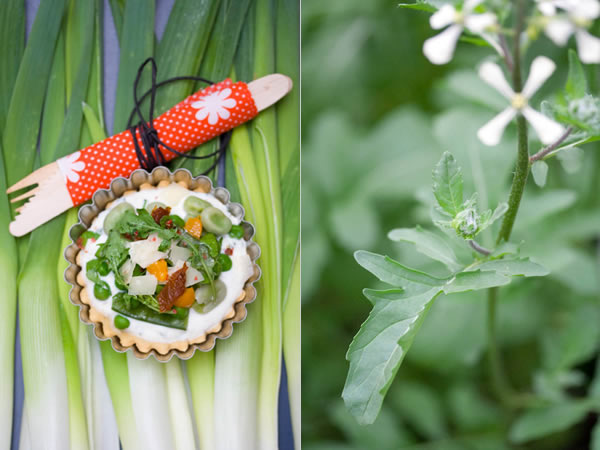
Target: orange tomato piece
point(186, 299)
point(194, 227)
point(159, 270)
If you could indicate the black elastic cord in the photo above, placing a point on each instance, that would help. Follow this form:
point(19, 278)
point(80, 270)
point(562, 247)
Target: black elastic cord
point(151, 155)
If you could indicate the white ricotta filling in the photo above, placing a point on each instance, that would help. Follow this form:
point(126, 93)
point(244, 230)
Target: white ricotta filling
point(198, 324)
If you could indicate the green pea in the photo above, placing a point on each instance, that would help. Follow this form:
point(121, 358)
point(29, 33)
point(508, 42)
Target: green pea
point(236, 232)
point(214, 221)
point(103, 268)
point(121, 322)
point(101, 290)
point(194, 205)
point(115, 215)
point(225, 262)
point(213, 245)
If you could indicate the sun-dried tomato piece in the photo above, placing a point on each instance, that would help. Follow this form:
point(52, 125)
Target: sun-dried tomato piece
point(173, 290)
point(159, 212)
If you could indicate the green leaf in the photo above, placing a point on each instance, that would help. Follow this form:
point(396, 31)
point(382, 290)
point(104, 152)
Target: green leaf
point(488, 218)
point(427, 243)
point(576, 86)
point(378, 349)
point(392, 272)
point(539, 170)
point(595, 445)
point(419, 6)
point(540, 422)
point(475, 280)
point(514, 267)
point(448, 184)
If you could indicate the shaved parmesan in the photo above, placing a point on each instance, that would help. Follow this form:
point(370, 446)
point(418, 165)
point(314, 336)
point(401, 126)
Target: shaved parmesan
point(179, 254)
point(127, 270)
point(143, 285)
point(146, 252)
point(193, 276)
point(172, 194)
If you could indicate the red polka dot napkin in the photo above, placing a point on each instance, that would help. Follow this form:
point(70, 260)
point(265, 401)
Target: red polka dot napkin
point(199, 118)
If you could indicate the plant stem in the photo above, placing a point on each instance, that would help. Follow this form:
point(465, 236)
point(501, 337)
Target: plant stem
point(522, 168)
point(478, 248)
point(498, 378)
point(543, 152)
point(499, 383)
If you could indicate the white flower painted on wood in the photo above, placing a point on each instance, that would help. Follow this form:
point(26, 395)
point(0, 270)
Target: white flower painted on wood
point(69, 166)
point(547, 129)
point(214, 106)
point(577, 18)
point(440, 48)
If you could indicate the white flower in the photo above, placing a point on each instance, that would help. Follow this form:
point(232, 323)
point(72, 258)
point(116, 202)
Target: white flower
point(69, 166)
point(214, 106)
point(579, 16)
point(547, 129)
point(440, 48)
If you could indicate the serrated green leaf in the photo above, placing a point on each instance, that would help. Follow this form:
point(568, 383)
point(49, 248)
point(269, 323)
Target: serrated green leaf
point(540, 422)
point(513, 267)
point(489, 217)
point(392, 272)
point(576, 86)
point(428, 244)
point(539, 170)
point(378, 349)
point(448, 184)
point(475, 280)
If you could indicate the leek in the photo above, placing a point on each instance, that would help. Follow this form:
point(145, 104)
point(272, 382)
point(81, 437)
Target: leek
point(201, 377)
point(267, 159)
point(149, 395)
point(8, 307)
point(12, 39)
point(181, 420)
point(237, 371)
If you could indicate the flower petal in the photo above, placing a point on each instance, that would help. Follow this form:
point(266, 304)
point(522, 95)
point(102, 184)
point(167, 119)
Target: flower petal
point(588, 47)
point(201, 114)
point(78, 166)
point(199, 104)
point(492, 74)
point(73, 177)
point(440, 48)
point(223, 113)
point(546, 7)
point(224, 93)
point(213, 118)
point(547, 129)
point(442, 17)
point(229, 103)
point(478, 23)
point(559, 31)
point(541, 69)
point(491, 132)
point(586, 9)
point(470, 5)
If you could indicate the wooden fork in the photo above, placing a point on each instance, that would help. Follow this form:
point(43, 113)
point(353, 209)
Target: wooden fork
point(204, 115)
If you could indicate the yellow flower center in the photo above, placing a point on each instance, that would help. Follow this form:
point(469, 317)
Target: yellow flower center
point(459, 17)
point(519, 101)
point(581, 22)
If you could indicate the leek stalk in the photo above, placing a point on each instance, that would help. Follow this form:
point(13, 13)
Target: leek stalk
point(12, 40)
point(267, 162)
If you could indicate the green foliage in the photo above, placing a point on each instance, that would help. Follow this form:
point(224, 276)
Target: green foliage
point(376, 119)
point(385, 337)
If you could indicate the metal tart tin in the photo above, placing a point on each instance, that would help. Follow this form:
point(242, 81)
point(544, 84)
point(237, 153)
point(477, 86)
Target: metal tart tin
point(120, 339)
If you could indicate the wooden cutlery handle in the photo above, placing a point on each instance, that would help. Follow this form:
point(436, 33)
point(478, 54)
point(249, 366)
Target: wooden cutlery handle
point(197, 119)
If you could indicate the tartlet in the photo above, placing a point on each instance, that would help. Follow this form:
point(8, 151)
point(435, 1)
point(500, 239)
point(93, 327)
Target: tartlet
point(164, 227)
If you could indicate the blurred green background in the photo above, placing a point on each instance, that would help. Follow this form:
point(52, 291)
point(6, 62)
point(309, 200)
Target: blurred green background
point(376, 117)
